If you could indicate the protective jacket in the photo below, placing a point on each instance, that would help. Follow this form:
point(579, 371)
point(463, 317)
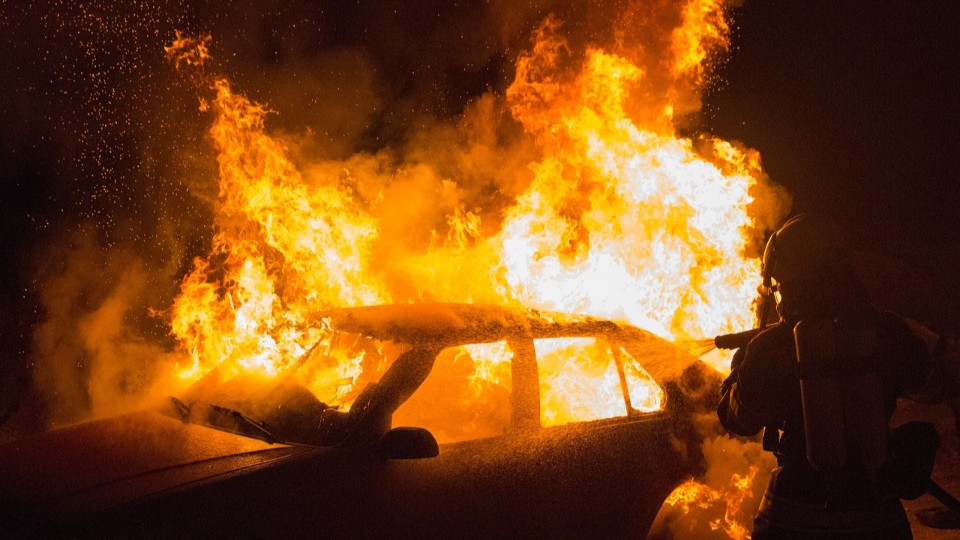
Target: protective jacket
point(764, 391)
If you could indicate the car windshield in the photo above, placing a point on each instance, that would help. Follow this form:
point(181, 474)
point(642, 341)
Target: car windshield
point(290, 406)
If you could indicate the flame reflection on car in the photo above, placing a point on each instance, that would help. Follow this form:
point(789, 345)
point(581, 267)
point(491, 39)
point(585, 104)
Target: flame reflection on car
point(255, 457)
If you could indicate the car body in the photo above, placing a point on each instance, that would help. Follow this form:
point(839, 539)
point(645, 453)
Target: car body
point(159, 473)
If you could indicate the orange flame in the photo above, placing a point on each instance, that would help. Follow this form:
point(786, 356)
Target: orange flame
point(575, 386)
point(692, 494)
point(283, 250)
point(704, 32)
point(186, 51)
point(623, 219)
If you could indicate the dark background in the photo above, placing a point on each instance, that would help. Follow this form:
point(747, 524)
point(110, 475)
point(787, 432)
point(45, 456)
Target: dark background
point(855, 108)
point(853, 105)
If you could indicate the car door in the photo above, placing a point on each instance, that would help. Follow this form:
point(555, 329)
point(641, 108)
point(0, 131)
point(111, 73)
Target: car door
point(531, 470)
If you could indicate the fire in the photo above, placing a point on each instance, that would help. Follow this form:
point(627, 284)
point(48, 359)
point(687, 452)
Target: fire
point(576, 387)
point(491, 363)
point(704, 30)
point(186, 51)
point(624, 218)
point(692, 494)
point(283, 249)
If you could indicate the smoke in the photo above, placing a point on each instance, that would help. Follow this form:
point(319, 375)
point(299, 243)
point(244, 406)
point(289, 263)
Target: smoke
point(98, 351)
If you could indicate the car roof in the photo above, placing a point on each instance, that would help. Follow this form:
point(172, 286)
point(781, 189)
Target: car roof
point(456, 324)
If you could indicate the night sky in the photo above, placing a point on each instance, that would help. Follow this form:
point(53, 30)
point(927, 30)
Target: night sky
point(854, 106)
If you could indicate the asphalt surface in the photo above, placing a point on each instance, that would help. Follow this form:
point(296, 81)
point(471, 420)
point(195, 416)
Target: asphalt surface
point(946, 470)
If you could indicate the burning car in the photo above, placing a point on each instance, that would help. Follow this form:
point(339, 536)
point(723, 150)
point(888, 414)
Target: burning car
point(527, 455)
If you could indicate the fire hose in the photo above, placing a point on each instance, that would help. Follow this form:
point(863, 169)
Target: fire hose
point(941, 495)
point(736, 340)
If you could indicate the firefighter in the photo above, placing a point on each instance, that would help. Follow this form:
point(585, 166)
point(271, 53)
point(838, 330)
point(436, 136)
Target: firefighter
point(823, 382)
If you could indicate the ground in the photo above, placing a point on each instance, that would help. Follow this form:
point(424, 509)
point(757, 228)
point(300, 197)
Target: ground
point(946, 470)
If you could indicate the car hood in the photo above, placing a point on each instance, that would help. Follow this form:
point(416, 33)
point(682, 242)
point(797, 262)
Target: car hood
point(84, 469)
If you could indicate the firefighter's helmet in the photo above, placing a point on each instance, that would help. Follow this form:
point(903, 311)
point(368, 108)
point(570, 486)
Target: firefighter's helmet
point(803, 249)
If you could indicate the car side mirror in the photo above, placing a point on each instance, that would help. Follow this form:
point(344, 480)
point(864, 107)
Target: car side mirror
point(409, 443)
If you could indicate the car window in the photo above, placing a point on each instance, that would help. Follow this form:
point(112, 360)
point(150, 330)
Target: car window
point(465, 397)
point(467, 394)
point(644, 392)
point(580, 381)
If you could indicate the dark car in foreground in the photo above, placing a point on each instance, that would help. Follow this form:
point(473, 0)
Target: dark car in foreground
point(212, 464)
